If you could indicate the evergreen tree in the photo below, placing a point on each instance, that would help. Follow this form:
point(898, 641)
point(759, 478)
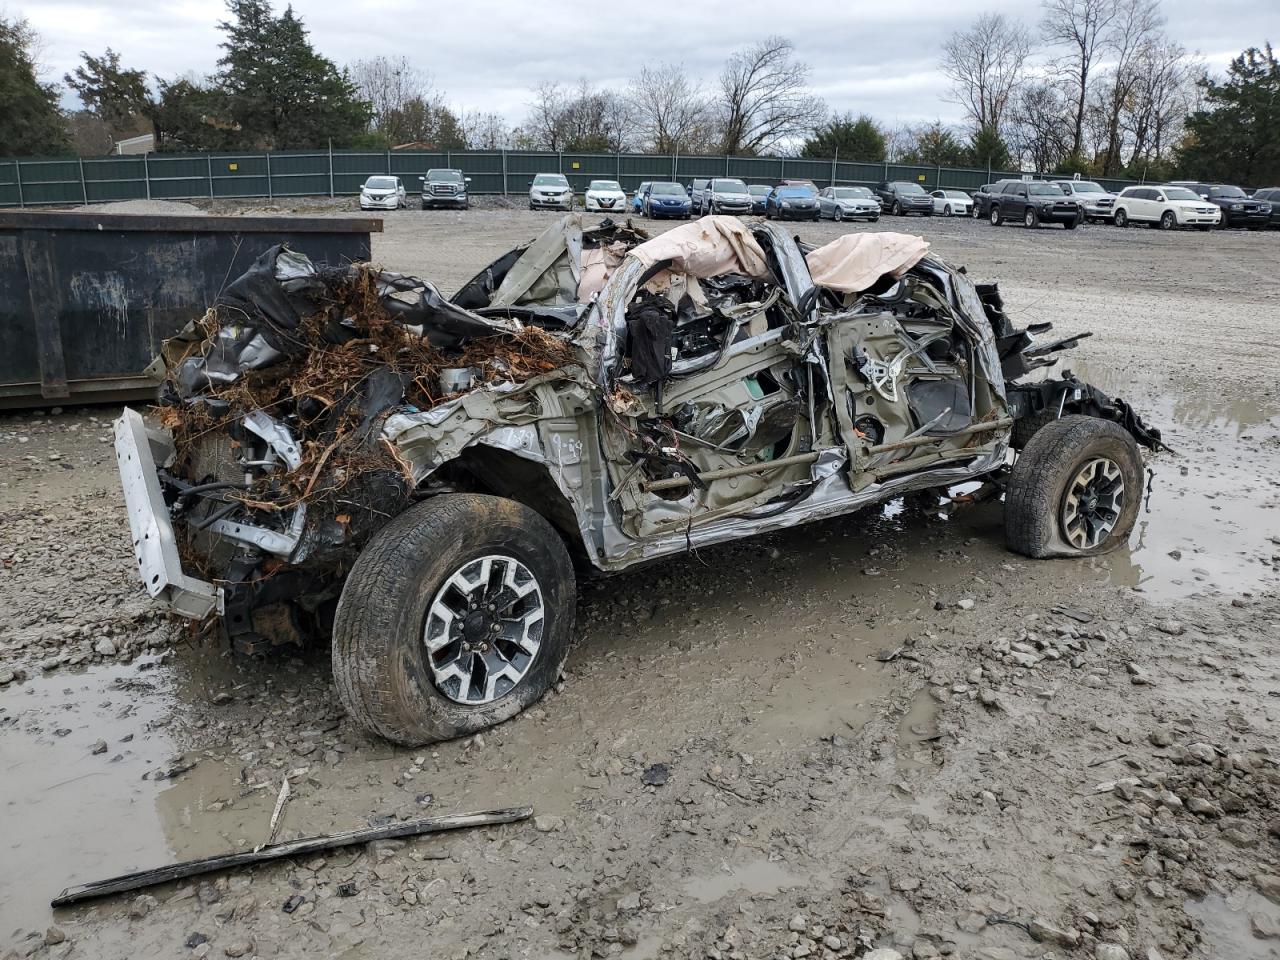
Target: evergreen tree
point(1236, 137)
point(30, 121)
point(280, 93)
point(847, 138)
point(116, 96)
point(987, 149)
point(935, 145)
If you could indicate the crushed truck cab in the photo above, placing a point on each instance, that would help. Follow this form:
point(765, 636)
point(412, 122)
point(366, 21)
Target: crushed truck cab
point(345, 451)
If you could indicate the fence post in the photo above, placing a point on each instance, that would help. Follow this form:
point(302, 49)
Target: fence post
point(833, 168)
point(17, 172)
point(886, 170)
point(937, 177)
point(388, 161)
point(209, 161)
point(675, 152)
point(504, 171)
point(726, 166)
point(84, 191)
point(617, 168)
point(270, 191)
point(331, 168)
point(448, 159)
point(782, 169)
point(146, 176)
point(560, 161)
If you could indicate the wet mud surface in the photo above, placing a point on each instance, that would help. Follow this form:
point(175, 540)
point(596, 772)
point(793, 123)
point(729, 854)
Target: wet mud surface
point(1083, 762)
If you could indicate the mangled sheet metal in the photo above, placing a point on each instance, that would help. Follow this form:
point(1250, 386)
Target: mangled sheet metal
point(646, 395)
point(280, 396)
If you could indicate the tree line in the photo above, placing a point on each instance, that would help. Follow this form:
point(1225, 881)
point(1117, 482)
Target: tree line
point(1092, 86)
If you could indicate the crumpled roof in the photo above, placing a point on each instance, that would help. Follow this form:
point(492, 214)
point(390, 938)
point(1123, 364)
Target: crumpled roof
point(855, 261)
point(707, 247)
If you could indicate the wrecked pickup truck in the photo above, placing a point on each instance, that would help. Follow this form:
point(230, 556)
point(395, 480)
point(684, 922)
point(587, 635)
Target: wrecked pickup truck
point(346, 452)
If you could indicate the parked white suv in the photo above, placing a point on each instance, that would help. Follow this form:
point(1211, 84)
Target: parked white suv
point(605, 195)
point(1169, 207)
point(1098, 203)
point(550, 191)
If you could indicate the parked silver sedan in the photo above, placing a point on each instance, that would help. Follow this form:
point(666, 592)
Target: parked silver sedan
point(849, 203)
point(951, 203)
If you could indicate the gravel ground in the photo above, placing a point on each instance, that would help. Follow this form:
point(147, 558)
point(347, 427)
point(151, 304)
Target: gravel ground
point(1076, 761)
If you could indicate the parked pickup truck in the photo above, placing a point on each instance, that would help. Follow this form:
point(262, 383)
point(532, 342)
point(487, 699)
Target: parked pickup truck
point(344, 454)
point(445, 188)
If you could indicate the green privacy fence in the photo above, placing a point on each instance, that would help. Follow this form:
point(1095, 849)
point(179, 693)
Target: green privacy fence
point(335, 173)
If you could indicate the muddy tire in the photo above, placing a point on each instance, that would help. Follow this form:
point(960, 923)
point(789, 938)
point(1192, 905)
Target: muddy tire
point(1074, 491)
point(1024, 428)
point(456, 616)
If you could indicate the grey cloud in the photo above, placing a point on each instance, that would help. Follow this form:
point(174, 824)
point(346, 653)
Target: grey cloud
point(878, 58)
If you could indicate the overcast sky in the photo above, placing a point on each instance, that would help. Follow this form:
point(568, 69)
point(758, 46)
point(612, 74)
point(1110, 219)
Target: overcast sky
point(874, 57)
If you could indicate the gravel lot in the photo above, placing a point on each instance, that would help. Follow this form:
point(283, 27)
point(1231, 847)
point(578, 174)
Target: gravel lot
point(1080, 763)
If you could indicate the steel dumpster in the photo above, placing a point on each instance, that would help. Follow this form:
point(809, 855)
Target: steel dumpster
point(86, 299)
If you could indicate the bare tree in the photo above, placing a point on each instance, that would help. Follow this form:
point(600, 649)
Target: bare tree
point(544, 127)
point(1082, 27)
point(1039, 120)
point(485, 131)
point(583, 119)
point(400, 94)
point(985, 65)
point(1134, 32)
point(670, 110)
point(1165, 93)
point(765, 98)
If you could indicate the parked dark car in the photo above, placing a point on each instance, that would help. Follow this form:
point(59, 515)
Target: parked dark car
point(1238, 208)
point(666, 200)
point(793, 203)
point(903, 197)
point(759, 196)
point(1272, 196)
point(1034, 202)
point(982, 198)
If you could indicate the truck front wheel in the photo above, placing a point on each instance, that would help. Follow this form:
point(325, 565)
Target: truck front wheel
point(456, 616)
point(1074, 491)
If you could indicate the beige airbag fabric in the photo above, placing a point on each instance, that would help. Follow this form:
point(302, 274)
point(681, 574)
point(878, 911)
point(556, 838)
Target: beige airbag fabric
point(855, 261)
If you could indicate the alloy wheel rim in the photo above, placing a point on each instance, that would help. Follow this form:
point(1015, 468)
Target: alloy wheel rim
point(1092, 503)
point(484, 629)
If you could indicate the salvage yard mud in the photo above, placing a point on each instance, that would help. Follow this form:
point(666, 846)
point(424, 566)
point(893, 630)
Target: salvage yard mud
point(880, 730)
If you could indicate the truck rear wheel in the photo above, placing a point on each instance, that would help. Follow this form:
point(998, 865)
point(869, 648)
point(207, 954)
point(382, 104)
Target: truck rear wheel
point(1074, 491)
point(456, 616)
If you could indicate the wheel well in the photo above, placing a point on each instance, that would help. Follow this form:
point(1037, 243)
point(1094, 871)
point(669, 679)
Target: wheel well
point(482, 469)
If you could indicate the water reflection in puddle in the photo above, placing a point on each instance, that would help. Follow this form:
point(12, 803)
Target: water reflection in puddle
point(752, 877)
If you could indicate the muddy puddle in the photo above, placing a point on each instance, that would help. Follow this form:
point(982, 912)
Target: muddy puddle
point(1227, 924)
point(69, 814)
point(752, 877)
point(1213, 506)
